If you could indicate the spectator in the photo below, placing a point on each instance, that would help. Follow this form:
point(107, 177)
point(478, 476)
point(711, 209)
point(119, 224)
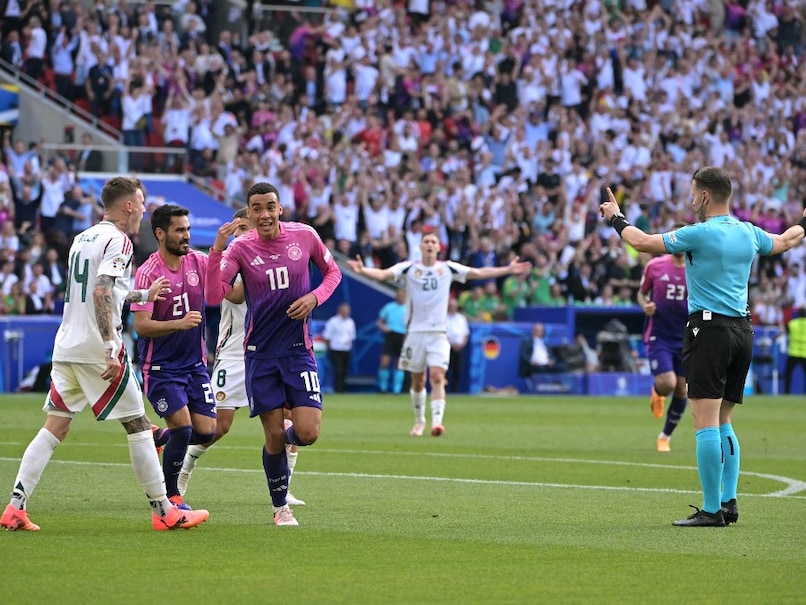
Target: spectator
point(339, 334)
point(458, 335)
point(89, 159)
point(535, 356)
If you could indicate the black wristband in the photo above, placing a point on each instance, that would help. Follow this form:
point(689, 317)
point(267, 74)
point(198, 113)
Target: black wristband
point(618, 222)
point(802, 223)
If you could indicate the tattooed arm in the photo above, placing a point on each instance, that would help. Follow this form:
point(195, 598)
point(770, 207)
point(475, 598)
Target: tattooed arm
point(154, 293)
point(104, 317)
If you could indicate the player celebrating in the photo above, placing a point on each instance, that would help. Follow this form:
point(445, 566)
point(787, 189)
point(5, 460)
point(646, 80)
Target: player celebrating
point(172, 346)
point(273, 260)
point(662, 296)
point(228, 376)
point(426, 348)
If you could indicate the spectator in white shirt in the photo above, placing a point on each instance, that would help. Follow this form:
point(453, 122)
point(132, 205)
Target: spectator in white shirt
point(36, 49)
point(339, 334)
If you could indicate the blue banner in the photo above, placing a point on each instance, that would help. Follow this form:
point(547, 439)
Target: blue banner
point(207, 214)
point(9, 104)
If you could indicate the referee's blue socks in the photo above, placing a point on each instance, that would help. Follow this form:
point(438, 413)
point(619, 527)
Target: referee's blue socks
point(383, 380)
point(730, 453)
point(709, 464)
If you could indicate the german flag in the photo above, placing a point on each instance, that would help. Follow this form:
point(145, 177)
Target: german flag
point(491, 348)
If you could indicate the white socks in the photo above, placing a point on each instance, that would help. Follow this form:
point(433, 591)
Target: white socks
point(33, 463)
point(437, 411)
point(418, 403)
point(192, 457)
point(146, 465)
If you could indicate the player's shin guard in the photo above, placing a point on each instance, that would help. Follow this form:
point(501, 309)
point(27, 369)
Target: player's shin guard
point(437, 412)
point(418, 404)
point(173, 456)
point(731, 457)
point(33, 463)
point(146, 465)
point(276, 469)
point(709, 465)
point(676, 410)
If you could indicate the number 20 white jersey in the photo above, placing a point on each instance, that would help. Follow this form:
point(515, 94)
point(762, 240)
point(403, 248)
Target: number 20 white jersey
point(428, 289)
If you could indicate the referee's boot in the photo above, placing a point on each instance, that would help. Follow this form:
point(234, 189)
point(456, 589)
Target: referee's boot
point(730, 511)
point(702, 519)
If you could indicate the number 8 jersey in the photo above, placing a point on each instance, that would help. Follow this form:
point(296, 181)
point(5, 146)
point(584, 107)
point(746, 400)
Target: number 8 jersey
point(103, 249)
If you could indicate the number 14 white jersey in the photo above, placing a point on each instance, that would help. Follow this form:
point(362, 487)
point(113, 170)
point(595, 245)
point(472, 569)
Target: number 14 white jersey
point(103, 249)
point(428, 289)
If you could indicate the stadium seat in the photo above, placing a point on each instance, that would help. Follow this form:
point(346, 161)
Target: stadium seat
point(113, 122)
point(83, 104)
point(217, 189)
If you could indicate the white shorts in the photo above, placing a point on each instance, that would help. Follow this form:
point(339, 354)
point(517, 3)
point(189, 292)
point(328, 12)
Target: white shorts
point(423, 350)
point(76, 385)
point(229, 384)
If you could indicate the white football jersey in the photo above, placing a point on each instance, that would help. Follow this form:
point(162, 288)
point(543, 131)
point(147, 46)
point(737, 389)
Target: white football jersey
point(231, 330)
point(428, 289)
point(103, 249)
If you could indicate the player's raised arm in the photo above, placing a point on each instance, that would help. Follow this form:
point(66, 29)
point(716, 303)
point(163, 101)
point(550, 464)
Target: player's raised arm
point(331, 274)
point(789, 238)
point(515, 267)
point(216, 285)
point(357, 265)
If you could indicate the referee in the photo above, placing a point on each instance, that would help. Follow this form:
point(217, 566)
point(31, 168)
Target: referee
point(718, 342)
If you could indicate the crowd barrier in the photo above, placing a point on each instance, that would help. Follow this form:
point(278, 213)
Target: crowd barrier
point(490, 361)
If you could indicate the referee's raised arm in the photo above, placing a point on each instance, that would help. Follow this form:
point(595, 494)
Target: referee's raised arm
point(718, 339)
point(643, 242)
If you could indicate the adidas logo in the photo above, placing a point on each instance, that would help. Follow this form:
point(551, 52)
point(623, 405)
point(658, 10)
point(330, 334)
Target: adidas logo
point(257, 261)
point(664, 277)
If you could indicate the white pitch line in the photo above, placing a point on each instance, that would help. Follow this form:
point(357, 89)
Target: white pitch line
point(779, 494)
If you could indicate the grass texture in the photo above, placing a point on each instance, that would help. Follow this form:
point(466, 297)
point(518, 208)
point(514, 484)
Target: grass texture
point(523, 500)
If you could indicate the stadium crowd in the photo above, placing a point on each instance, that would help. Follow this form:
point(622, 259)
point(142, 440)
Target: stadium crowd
point(496, 124)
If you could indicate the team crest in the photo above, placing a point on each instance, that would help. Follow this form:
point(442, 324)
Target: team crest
point(162, 405)
point(192, 278)
point(418, 273)
point(220, 396)
point(294, 252)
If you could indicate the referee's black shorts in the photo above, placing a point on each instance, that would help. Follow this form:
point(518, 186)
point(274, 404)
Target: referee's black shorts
point(393, 343)
point(716, 356)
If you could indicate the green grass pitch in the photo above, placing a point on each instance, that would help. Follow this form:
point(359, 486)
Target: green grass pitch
point(523, 500)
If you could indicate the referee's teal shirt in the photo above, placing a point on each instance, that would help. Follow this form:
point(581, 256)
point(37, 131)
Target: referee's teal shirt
point(719, 255)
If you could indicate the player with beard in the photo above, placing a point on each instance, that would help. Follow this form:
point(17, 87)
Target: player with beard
point(173, 353)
